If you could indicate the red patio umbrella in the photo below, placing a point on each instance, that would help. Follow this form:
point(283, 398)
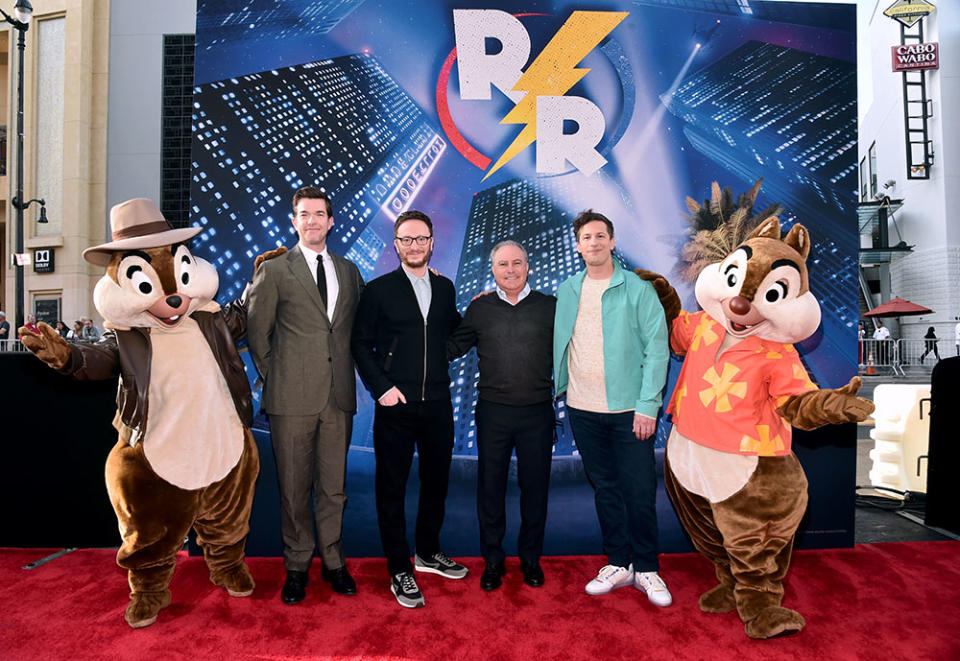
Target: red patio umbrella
point(897, 307)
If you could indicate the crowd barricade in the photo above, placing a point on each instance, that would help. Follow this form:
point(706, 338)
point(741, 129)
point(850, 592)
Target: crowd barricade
point(11, 345)
point(897, 356)
point(880, 356)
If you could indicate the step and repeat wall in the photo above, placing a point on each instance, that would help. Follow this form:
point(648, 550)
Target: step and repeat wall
point(505, 121)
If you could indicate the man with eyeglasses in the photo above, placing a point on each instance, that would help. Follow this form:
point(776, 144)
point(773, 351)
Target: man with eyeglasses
point(399, 343)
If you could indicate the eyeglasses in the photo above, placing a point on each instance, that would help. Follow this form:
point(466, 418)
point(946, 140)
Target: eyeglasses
point(407, 240)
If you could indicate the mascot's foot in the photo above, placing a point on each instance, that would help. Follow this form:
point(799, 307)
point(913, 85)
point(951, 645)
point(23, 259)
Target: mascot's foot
point(774, 621)
point(237, 581)
point(144, 606)
point(718, 600)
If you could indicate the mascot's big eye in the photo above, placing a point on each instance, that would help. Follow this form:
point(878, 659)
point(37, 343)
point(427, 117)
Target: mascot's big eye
point(139, 280)
point(777, 292)
point(731, 275)
point(186, 265)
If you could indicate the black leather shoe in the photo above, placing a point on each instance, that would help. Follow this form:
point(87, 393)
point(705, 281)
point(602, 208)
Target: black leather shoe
point(492, 573)
point(295, 588)
point(532, 574)
point(340, 580)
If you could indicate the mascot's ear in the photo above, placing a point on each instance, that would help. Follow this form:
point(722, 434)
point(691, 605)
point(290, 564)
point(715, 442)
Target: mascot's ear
point(799, 239)
point(768, 229)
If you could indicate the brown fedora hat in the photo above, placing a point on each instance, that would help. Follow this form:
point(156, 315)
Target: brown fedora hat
point(137, 224)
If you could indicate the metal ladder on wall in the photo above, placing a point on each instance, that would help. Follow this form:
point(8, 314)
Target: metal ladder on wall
point(917, 110)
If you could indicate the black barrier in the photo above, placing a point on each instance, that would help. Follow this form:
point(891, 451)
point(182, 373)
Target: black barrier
point(944, 449)
point(57, 435)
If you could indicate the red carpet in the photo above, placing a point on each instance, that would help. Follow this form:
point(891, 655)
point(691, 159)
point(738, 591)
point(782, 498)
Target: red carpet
point(896, 601)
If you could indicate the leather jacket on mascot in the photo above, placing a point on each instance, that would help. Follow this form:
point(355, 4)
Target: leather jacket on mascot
point(738, 489)
point(185, 455)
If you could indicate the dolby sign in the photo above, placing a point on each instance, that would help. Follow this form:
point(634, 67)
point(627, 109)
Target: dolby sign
point(911, 57)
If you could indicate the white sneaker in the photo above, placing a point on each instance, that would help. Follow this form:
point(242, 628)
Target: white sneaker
point(610, 578)
point(654, 587)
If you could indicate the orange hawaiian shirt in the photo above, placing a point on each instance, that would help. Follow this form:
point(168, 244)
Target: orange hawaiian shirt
point(731, 404)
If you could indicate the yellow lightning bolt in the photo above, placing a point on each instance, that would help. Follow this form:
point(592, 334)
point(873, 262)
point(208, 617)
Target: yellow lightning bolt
point(554, 72)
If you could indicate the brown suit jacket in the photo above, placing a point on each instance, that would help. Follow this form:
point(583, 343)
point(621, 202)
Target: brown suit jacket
point(304, 359)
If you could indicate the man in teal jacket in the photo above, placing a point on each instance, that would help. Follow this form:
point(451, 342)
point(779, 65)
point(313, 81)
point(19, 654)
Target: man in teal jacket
point(610, 354)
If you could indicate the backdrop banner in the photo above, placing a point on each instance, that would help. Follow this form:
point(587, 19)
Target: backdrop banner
point(505, 120)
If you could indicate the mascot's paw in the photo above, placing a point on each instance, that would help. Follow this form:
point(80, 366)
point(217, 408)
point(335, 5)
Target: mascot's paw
point(665, 292)
point(270, 254)
point(774, 621)
point(718, 600)
point(237, 581)
point(47, 345)
point(144, 607)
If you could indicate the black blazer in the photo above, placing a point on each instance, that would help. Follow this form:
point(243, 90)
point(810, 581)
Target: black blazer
point(392, 346)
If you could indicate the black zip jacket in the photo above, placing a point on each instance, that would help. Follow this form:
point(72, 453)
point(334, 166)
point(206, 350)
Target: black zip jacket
point(392, 346)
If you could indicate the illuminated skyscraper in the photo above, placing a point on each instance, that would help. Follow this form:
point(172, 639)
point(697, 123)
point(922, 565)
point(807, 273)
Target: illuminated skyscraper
point(343, 125)
point(790, 117)
point(799, 13)
point(225, 21)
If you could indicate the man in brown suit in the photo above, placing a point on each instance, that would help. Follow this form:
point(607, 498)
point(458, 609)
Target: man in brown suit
point(300, 317)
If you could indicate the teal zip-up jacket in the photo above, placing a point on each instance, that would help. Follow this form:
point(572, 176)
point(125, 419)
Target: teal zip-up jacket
point(635, 341)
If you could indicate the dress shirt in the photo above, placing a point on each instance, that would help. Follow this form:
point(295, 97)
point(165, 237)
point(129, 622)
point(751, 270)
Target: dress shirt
point(329, 271)
point(421, 287)
point(522, 295)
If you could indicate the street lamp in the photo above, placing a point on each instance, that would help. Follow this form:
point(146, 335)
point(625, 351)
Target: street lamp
point(22, 13)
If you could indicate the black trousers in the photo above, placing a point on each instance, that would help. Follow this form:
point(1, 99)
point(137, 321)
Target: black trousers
point(397, 430)
point(500, 429)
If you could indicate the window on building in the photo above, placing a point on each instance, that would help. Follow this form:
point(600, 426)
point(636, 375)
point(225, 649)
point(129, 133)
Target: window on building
point(872, 154)
point(178, 50)
point(864, 179)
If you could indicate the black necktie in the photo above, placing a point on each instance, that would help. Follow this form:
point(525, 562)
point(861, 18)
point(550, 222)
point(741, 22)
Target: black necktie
point(321, 280)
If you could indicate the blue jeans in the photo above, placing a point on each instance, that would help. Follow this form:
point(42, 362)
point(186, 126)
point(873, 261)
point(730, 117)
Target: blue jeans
point(622, 471)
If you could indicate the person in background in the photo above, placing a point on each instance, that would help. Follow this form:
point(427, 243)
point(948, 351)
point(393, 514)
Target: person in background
point(31, 324)
point(930, 344)
point(62, 328)
point(5, 327)
point(90, 332)
point(75, 334)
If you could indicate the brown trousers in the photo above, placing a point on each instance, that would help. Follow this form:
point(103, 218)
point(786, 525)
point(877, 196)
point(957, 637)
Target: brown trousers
point(155, 516)
point(748, 536)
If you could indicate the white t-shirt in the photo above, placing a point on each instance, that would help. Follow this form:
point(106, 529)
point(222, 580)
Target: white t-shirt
point(882, 333)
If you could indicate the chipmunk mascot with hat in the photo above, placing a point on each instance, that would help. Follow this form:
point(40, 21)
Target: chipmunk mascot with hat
point(738, 489)
point(185, 456)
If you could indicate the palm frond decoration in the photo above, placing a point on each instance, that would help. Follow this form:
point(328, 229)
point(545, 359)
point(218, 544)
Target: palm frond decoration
point(718, 226)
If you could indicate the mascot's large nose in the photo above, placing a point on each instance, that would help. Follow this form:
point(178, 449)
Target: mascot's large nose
point(175, 301)
point(739, 305)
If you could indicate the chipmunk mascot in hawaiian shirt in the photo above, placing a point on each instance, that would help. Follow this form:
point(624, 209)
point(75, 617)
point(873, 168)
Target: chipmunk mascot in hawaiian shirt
point(738, 490)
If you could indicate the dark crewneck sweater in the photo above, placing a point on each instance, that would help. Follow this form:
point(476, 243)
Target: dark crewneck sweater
point(514, 344)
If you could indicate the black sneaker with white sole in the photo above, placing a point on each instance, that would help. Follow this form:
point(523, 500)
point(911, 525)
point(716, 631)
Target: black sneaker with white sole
point(439, 563)
point(404, 588)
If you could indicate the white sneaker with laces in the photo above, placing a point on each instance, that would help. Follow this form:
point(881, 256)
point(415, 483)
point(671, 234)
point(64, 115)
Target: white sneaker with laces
point(610, 578)
point(656, 590)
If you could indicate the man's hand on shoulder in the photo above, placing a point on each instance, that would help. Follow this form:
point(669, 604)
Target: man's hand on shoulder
point(270, 254)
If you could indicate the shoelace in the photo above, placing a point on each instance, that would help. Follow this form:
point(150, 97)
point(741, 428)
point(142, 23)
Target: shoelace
point(407, 583)
point(608, 572)
point(653, 583)
point(443, 558)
